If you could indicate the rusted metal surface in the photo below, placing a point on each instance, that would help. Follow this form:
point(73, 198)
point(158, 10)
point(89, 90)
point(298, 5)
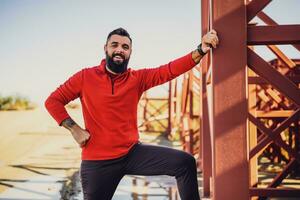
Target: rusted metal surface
point(272, 192)
point(206, 153)
point(280, 82)
point(277, 106)
point(262, 35)
point(190, 132)
point(274, 133)
point(237, 107)
point(269, 21)
point(254, 7)
point(229, 102)
point(253, 163)
point(273, 95)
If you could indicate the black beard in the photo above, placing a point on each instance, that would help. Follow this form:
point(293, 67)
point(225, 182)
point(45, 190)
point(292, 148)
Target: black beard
point(116, 67)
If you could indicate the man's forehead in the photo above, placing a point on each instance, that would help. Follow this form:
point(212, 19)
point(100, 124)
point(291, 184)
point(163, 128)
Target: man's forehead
point(119, 39)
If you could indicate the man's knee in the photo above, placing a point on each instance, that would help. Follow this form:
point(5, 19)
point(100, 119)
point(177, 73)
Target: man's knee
point(187, 160)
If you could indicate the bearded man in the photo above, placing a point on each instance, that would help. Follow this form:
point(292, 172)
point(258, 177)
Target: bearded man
point(109, 94)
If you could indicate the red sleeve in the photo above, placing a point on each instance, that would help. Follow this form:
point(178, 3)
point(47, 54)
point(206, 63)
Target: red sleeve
point(156, 76)
point(68, 91)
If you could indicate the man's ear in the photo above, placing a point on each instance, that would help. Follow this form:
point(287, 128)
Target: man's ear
point(105, 47)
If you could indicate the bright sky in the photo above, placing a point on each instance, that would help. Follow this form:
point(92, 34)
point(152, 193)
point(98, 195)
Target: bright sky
point(44, 42)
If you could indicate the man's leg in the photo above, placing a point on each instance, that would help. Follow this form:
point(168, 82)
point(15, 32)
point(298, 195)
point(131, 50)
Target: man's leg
point(158, 160)
point(100, 178)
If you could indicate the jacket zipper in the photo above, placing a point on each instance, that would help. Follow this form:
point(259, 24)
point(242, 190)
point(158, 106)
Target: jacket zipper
point(112, 85)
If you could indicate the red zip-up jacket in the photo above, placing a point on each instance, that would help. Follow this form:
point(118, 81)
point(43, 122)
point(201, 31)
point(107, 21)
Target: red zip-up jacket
point(109, 104)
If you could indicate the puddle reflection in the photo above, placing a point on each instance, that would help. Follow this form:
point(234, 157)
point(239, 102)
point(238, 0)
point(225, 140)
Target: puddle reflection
point(152, 188)
point(144, 188)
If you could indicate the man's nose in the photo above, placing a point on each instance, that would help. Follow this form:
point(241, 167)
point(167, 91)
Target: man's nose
point(119, 49)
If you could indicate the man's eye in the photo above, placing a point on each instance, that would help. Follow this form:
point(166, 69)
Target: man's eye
point(126, 47)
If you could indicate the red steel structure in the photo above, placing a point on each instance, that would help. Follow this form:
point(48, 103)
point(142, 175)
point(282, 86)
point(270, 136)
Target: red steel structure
point(235, 129)
point(236, 107)
point(224, 102)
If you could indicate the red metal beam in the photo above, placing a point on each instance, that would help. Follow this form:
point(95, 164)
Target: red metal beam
point(273, 192)
point(269, 21)
point(282, 57)
point(205, 134)
point(281, 83)
point(170, 110)
point(275, 133)
point(278, 140)
point(229, 142)
point(185, 90)
point(204, 119)
point(266, 19)
point(260, 81)
point(281, 34)
point(254, 7)
point(285, 172)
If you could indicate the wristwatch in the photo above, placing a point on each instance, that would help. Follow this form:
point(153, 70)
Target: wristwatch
point(199, 49)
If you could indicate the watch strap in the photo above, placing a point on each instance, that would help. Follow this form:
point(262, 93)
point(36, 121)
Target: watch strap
point(199, 49)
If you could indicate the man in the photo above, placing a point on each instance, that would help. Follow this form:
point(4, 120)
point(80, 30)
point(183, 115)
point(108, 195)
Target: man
point(109, 94)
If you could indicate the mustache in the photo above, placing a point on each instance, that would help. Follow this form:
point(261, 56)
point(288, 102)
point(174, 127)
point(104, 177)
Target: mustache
point(118, 54)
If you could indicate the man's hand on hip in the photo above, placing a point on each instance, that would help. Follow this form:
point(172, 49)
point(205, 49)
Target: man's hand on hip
point(80, 135)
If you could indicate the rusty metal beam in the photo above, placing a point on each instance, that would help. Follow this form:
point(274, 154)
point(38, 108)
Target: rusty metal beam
point(184, 95)
point(170, 109)
point(206, 134)
point(252, 132)
point(266, 19)
point(274, 113)
point(269, 21)
point(277, 140)
point(204, 114)
point(275, 133)
point(254, 7)
point(274, 192)
point(258, 80)
point(282, 57)
point(285, 172)
point(281, 34)
point(281, 83)
point(229, 102)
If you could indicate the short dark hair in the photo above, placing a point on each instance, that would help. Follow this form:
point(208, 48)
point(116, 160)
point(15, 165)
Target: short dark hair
point(119, 31)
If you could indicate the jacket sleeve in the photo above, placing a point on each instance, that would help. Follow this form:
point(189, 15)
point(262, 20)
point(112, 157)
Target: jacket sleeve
point(156, 76)
point(68, 91)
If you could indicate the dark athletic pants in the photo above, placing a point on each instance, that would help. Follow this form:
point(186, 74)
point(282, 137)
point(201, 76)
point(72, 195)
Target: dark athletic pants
point(100, 178)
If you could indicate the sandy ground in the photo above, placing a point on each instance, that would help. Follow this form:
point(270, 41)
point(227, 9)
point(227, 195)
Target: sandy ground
point(36, 155)
point(38, 158)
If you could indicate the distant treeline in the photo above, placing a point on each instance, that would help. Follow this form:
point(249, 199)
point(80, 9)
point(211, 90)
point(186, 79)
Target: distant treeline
point(15, 103)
